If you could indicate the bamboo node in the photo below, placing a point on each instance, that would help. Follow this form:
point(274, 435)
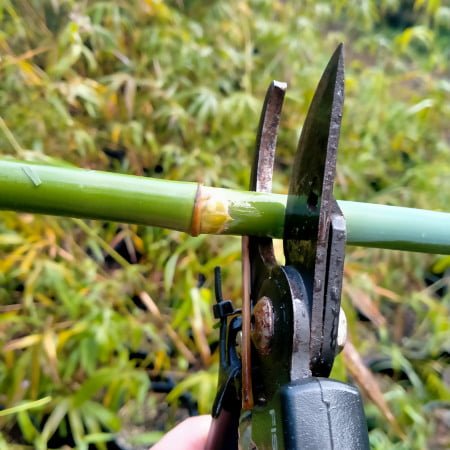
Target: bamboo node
point(211, 212)
point(195, 223)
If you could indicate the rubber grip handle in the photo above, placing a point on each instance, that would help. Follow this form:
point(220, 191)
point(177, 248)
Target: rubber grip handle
point(323, 414)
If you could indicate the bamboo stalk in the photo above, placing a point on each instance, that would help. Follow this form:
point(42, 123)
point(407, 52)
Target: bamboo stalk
point(84, 193)
point(196, 209)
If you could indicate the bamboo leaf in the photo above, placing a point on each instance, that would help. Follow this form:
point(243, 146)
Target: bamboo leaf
point(169, 271)
point(26, 426)
point(25, 406)
point(49, 346)
point(66, 61)
point(53, 421)
point(26, 341)
point(366, 306)
point(76, 426)
point(442, 264)
point(10, 239)
point(98, 438)
point(147, 438)
point(106, 417)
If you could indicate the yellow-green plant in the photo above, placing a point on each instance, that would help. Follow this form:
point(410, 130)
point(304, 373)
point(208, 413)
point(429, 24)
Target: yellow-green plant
point(173, 90)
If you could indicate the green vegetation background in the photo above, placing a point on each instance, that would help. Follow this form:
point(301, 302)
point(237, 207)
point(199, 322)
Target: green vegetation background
point(173, 90)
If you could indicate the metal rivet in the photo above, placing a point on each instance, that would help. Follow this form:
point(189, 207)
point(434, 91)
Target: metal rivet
point(263, 325)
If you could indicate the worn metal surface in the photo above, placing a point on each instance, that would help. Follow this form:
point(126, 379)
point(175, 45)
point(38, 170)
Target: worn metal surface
point(257, 261)
point(281, 325)
point(309, 209)
point(257, 253)
point(289, 357)
point(333, 287)
point(263, 325)
point(266, 139)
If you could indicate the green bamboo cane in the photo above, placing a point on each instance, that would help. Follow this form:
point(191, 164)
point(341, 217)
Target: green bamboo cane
point(197, 209)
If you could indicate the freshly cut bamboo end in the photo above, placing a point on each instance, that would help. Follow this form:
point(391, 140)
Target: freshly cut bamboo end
point(211, 212)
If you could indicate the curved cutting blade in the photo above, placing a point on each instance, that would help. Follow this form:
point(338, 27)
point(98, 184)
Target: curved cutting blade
point(258, 253)
point(310, 198)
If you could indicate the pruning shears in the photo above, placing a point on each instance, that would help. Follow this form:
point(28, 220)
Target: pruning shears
point(276, 353)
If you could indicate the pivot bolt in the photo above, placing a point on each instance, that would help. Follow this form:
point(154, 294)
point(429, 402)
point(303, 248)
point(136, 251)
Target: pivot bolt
point(263, 325)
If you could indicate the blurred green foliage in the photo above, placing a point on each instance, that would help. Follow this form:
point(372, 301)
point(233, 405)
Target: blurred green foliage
point(173, 90)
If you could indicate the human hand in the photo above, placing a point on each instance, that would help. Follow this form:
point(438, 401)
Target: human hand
point(191, 434)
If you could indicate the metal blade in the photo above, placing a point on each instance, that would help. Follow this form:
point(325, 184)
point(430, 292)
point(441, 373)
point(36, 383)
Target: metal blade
point(310, 193)
point(266, 139)
point(257, 253)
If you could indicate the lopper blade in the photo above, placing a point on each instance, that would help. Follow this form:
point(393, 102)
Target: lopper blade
point(310, 201)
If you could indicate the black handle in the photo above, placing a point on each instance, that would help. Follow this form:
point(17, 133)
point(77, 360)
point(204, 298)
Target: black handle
point(311, 414)
point(223, 434)
point(323, 414)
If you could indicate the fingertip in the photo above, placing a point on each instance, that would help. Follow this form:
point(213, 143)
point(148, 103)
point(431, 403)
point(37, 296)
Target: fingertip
point(191, 434)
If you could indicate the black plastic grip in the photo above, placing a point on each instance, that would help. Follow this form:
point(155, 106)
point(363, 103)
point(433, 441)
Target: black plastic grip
point(323, 414)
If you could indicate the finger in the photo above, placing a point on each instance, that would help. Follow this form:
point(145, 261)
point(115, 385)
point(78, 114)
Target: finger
point(191, 434)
